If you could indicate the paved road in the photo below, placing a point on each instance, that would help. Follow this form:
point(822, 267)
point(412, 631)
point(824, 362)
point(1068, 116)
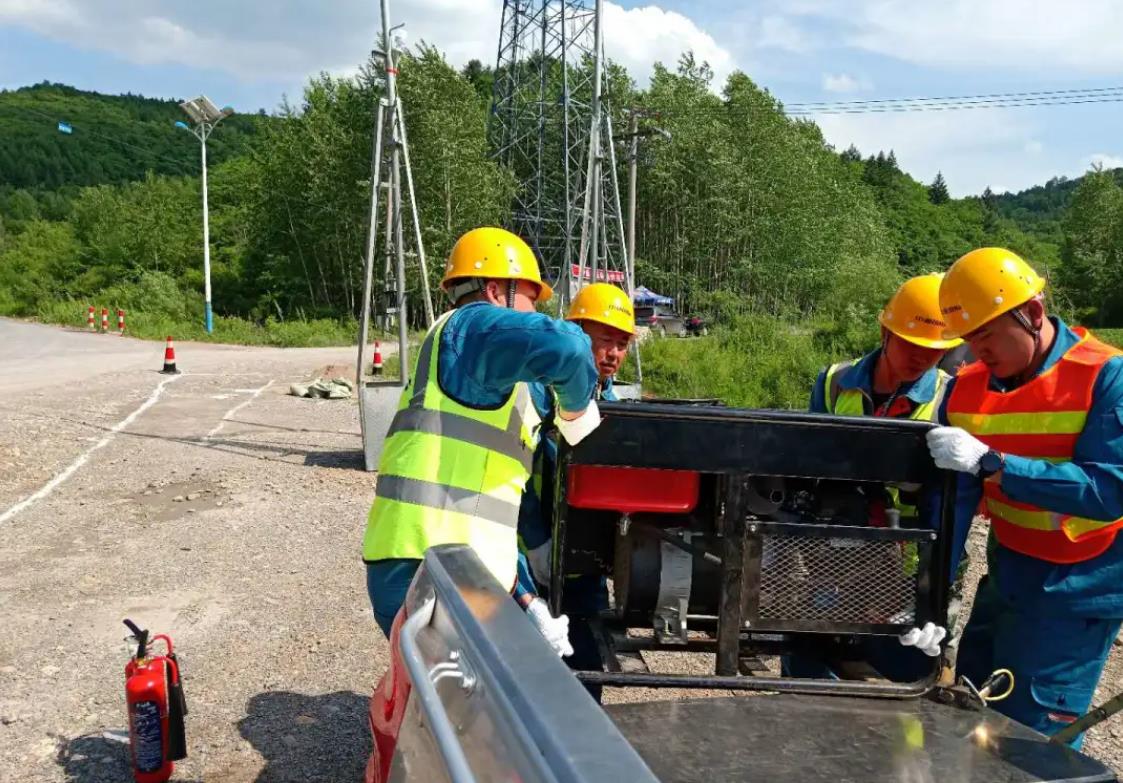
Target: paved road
point(210, 505)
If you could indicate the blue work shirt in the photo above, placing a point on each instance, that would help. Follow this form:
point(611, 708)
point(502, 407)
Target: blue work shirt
point(485, 350)
point(537, 508)
point(1090, 486)
point(860, 377)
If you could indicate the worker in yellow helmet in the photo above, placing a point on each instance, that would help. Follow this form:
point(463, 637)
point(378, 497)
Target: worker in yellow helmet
point(605, 313)
point(1036, 427)
point(459, 450)
point(900, 379)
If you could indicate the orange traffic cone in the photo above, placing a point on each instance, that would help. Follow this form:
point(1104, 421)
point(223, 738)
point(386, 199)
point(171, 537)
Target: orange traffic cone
point(376, 367)
point(169, 359)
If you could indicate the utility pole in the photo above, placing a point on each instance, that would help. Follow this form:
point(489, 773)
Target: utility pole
point(206, 116)
point(633, 136)
point(633, 159)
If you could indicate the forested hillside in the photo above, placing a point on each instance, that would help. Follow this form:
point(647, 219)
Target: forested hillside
point(114, 138)
point(788, 246)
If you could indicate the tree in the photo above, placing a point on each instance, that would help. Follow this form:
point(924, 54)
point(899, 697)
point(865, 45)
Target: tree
point(1092, 255)
point(938, 190)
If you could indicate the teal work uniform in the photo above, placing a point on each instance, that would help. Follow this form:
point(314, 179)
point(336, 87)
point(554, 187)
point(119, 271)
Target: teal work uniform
point(1053, 624)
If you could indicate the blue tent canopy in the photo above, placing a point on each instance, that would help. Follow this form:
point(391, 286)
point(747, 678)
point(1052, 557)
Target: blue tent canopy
point(644, 296)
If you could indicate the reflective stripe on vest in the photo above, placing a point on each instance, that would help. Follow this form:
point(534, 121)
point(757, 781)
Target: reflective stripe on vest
point(1041, 420)
point(851, 402)
point(451, 474)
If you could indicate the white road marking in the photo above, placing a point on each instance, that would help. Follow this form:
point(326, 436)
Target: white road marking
point(53, 484)
point(253, 396)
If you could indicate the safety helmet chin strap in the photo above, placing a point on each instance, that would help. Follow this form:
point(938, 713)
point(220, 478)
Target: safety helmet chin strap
point(474, 285)
point(1035, 332)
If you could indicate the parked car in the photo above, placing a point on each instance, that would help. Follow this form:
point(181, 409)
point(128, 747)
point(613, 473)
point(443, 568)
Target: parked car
point(696, 327)
point(662, 321)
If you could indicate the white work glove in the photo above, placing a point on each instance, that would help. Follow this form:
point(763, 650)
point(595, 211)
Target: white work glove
point(926, 639)
point(554, 629)
point(575, 430)
point(956, 449)
point(539, 559)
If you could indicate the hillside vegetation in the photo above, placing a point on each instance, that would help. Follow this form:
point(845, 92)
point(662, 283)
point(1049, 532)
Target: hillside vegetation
point(746, 216)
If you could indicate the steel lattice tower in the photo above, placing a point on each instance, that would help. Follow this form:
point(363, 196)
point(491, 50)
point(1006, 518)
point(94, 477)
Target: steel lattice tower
point(550, 125)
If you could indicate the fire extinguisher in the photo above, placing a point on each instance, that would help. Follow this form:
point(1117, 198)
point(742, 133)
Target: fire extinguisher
point(154, 695)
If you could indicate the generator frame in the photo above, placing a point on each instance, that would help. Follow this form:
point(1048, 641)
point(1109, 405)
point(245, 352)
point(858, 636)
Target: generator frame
point(735, 446)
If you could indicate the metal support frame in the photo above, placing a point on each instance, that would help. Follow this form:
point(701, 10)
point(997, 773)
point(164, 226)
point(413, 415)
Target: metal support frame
point(389, 156)
point(551, 127)
point(736, 633)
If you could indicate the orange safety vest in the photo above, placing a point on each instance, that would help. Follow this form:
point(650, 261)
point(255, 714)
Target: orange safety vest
point(1040, 420)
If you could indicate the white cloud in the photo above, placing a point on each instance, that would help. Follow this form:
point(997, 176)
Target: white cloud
point(1007, 35)
point(287, 40)
point(778, 32)
point(844, 82)
point(1103, 160)
point(638, 37)
point(1033, 147)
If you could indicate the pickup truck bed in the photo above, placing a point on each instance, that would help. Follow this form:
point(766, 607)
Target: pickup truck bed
point(792, 738)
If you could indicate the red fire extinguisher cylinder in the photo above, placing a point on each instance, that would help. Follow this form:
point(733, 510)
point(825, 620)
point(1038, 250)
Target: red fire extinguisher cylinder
point(154, 696)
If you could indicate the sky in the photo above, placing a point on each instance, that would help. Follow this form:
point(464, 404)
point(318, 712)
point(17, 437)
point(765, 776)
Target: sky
point(252, 53)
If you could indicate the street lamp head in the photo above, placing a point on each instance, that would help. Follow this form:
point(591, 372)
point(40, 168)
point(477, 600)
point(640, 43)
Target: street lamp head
point(202, 109)
point(182, 124)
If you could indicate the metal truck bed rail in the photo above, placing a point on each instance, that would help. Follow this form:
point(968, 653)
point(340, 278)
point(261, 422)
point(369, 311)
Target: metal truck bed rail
point(492, 700)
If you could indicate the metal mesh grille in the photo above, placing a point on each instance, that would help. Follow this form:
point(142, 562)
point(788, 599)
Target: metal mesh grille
point(838, 580)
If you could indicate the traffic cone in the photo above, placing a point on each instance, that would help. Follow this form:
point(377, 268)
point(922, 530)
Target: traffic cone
point(376, 367)
point(169, 359)
point(90, 318)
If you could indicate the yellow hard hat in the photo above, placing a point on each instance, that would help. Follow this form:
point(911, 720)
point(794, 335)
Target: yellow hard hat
point(913, 314)
point(604, 304)
point(983, 285)
point(493, 254)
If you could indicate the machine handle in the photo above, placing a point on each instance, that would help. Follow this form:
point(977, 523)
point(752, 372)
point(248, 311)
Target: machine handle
point(452, 753)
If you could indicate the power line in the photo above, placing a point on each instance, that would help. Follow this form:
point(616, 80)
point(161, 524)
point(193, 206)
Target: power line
point(179, 164)
point(1090, 91)
point(1098, 95)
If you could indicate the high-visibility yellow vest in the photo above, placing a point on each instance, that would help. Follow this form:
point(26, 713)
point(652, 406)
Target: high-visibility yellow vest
point(452, 474)
point(850, 402)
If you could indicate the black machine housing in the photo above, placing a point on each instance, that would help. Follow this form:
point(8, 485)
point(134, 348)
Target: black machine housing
point(790, 544)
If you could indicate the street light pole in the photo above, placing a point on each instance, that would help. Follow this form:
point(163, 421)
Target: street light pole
point(206, 117)
point(208, 313)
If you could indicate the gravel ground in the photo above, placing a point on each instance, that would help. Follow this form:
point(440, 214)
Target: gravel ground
point(227, 514)
point(1104, 742)
point(243, 545)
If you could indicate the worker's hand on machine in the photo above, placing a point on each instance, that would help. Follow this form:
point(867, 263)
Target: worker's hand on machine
point(539, 559)
point(574, 427)
point(554, 629)
point(926, 639)
point(955, 449)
